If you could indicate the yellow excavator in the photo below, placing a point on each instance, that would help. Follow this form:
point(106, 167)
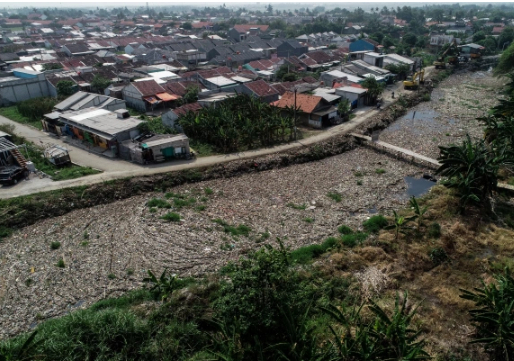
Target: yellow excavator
point(417, 78)
point(440, 63)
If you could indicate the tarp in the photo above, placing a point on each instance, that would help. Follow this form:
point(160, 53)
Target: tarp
point(152, 100)
point(167, 97)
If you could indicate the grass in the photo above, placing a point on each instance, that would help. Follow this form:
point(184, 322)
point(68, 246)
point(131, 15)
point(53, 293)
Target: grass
point(305, 254)
point(375, 224)
point(359, 182)
point(297, 206)
point(158, 203)
point(55, 245)
point(308, 220)
point(345, 229)
point(84, 243)
point(4, 232)
point(358, 174)
point(13, 114)
point(111, 276)
point(208, 191)
point(240, 230)
point(380, 171)
point(336, 197)
point(354, 239)
point(200, 208)
point(201, 149)
point(60, 263)
point(171, 217)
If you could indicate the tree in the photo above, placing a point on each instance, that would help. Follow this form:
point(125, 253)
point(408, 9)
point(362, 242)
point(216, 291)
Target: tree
point(100, 83)
point(65, 87)
point(506, 62)
point(400, 70)
point(410, 39)
point(191, 95)
point(187, 26)
point(52, 66)
point(343, 107)
point(472, 169)
point(374, 88)
point(479, 35)
point(506, 37)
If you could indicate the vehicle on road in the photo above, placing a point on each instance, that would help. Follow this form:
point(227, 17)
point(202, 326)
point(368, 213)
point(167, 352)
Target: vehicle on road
point(12, 174)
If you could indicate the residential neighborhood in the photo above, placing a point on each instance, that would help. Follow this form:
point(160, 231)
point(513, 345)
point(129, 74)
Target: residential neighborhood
point(127, 74)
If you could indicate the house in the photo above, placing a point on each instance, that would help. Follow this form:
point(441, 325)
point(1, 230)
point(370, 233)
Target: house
point(260, 89)
point(332, 76)
point(375, 59)
point(356, 95)
point(77, 49)
point(100, 127)
point(143, 95)
point(398, 59)
point(291, 47)
point(471, 50)
point(313, 110)
point(363, 45)
point(170, 118)
point(241, 32)
point(155, 148)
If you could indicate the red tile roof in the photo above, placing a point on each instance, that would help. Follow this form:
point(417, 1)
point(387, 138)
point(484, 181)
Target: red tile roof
point(201, 24)
point(148, 87)
point(306, 103)
point(261, 88)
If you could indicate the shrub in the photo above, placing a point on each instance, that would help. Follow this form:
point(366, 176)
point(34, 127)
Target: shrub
point(4, 232)
point(208, 191)
point(335, 196)
point(345, 230)
point(171, 217)
point(352, 240)
point(60, 263)
point(380, 171)
point(308, 220)
point(434, 230)
point(375, 224)
point(426, 97)
point(437, 256)
point(305, 254)
point(111, 276)
point(36, 108)
point(55, 245)
point(159, 203)
point(240, 230)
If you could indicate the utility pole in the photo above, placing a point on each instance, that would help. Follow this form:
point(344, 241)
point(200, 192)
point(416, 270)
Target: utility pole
point(295, 136)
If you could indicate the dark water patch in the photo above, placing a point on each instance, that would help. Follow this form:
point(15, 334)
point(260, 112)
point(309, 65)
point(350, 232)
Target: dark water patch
point(418, 186)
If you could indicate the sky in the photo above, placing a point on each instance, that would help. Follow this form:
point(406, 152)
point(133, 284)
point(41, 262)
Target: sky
point(110, 3)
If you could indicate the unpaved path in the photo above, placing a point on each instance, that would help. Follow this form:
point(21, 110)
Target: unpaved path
point(116, 169)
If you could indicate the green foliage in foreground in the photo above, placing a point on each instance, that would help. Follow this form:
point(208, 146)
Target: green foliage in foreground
point(13, 114)
point(261, 309)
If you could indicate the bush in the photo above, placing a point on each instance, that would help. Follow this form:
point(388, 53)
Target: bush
point(4, 232)
point(336, 197)
point(305, 254)
point(240, 230)
point(55, 245)
point(437, 256)
point(375, 224)
point(159, 203)
point(345, 230)
point(352, 240)
point(36, 108)
point(60, 263)
point(434, 230)
point(171, 217)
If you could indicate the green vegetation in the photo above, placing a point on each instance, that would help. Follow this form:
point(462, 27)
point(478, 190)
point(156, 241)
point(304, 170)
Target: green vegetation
point(240, 230)
point(302, 206)
point(208, 191)
point(239, 123)
point(171, 217)
point(154, 125)
point(65, 88)
point(4, 232)
point(55, 245)
point(13, 114)
point(380, 171)
point(308, 220)
point(375, 224)
point(158, 203)
point(305, 254)
point(336, 197)
point(345, 229)
point(60, 263)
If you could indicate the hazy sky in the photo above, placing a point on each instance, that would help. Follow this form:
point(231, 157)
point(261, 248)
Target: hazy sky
point(109, 3)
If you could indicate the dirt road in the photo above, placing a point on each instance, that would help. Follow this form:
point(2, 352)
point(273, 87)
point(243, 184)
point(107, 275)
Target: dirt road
point(115, 168)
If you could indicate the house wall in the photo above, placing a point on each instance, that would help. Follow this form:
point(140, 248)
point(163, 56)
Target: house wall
point(23, 89)
point(133, 98)
point(361, 45)
point(169, 119)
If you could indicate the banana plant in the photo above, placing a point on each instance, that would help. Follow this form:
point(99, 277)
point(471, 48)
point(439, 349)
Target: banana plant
point(419, 212)
point(162, 286)
point(399, 224)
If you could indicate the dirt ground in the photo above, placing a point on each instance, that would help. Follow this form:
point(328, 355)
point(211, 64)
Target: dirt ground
point(107, 249)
